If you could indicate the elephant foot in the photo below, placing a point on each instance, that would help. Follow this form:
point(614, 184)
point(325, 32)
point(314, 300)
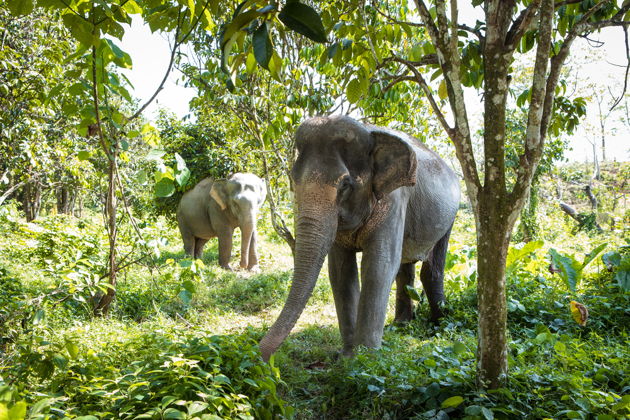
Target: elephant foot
point(227, 267)
point(404, 317)
point(347, 352)
point(254, 268)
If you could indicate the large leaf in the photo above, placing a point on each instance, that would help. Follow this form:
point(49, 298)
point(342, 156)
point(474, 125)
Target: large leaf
point(567, 268)
point(593, 254)
point(263, 50)
point(20, 7)
point(353, 91)
point(304, 20)
point(81, 30)
point(164, 188)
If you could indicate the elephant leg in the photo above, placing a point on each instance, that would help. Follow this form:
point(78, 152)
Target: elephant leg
point(253, 254)
point(189, 244)
point(404, 305)
point(199, 244)
point(344, 280)
point(379, 266)
point(432, 277)
point(247, 232)
point(225, 247)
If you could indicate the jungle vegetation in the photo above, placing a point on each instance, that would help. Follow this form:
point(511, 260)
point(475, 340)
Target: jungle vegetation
point(103, 316)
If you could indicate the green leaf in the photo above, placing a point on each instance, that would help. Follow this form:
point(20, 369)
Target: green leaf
point(132, 7)
point(353, 91)
point(121, 58)
point(275, 67)
point(593, 254)
point(182, 177)
point(20, 7)
point(304, 20)
point(197, 407)
point(458, 348)
point(623, 279)
point(39, 317)
point(186, 297)
point(164, 188)
point(73, 349)
point(263, 50)
point(83, 155)
point(570, 270)
point(18, 411)
point(442, 92)
point(191, 6)
point(413, 293)
point(452, 402)
point(250, 63)
point(81, 30)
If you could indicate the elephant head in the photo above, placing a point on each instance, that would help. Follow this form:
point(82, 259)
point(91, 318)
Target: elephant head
point(343, 169)
point(242, 195)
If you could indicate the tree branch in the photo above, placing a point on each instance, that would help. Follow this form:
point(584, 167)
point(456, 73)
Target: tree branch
point(522, 24)
point(625, 80)
point(8, 192)
point(541, 90)
point(417, 77)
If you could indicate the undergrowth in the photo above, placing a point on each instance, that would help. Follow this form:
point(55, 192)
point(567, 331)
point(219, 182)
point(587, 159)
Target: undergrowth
point(181, 338)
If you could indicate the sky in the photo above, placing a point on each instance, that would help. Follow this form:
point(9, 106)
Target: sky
point(150, 55)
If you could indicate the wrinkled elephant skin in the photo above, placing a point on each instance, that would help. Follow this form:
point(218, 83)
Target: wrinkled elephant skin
point(217, 207)
point(361, 188)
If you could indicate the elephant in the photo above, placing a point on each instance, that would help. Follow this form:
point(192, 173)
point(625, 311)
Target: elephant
point(363, 188)
point(215, 208)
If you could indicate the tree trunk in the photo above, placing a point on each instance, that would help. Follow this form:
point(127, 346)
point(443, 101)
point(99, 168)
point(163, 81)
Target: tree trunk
point(529, 223)
point(65, 200)
point(102, 307)
point(32, 200)
point(493, 236)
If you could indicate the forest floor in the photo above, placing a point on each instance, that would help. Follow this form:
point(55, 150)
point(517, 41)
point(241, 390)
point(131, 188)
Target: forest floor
point(180, 340)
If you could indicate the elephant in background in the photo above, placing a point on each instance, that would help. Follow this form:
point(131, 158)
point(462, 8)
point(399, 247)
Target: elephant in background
point(361, 188)
point(215, 208)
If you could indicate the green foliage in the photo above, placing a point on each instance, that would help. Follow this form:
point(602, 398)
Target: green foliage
point(618, 262)
point(221, 376)
point(569, 269)
point(189, 153)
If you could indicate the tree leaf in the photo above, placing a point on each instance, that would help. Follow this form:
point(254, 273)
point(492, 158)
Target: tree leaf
point(20, 7)
point(442, 92)
point(18, 411)
point(263, 50)
point(353, 91)
point(452, 401)
point(164, 188)
point(83, 155)
point(304, 20)
point(73, 349)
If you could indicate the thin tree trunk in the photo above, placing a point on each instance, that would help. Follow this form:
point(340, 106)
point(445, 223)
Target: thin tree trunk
point(492, 246)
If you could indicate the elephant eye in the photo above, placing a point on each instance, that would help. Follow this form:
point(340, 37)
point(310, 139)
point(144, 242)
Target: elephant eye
point(345, 187)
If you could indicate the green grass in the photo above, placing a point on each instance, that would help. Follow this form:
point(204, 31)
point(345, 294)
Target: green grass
point(180, 341)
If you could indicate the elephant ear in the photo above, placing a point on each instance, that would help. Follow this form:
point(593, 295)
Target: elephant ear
point(262, 193)
point(218, 194)
point(394, 162)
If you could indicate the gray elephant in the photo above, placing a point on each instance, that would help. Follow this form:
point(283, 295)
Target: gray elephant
point(215, 208)
point(362, 188)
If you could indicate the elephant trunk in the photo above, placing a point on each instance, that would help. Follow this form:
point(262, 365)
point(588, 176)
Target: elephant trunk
point(315, 232)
